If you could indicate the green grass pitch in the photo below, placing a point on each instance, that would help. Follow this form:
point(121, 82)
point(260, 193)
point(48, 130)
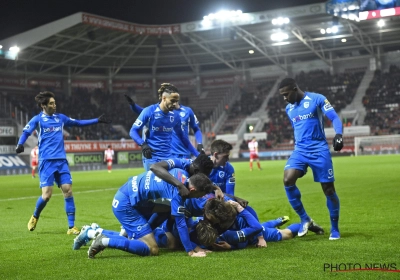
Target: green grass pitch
point(368, 188)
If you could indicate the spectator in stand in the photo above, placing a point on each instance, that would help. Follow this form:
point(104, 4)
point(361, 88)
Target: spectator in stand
point(253, 148)
point(108, 157)
point(34, 159)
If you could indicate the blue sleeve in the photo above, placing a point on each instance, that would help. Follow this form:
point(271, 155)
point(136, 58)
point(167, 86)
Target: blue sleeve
point(28, 129)
point(337, 123)
point(194, 124)
point(181, 163)
point(253, 228)
point(23, 138)
point(138, 125)
point(230, 180)
point(184, 233)
point(136, 108)
point(73, 122)
point(185, 139)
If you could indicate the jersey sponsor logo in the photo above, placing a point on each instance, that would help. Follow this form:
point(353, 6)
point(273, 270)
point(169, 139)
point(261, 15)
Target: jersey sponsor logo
point(221, 174)
point(134, 184)
point(306, 104)
point(162, 128)
point(171, 118)
point(52, 129)
point(302, 117)
point(138, 122)
point(147, 181)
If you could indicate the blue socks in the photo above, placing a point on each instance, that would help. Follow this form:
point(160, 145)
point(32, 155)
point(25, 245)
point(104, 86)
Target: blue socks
point(70, 210)
point(294, 196)
point(40, 204)
point(333, 204)
point(294, 228)
point(132, 246)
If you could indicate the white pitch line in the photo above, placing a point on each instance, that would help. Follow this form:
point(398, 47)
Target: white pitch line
point(57, 194)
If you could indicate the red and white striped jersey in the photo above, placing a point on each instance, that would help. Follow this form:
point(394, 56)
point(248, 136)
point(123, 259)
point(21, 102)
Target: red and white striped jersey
point(109, 153)
point(253, 146)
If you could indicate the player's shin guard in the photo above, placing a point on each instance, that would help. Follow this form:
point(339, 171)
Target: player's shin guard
point(70, 210)
point(333, 204)
point(132, 246)
point(40, 204)
point(294, 228)
point(294, 196)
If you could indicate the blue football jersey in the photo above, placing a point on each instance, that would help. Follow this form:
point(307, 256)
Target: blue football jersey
point(50, 133)
point(188, 120)
point(307, 118)
point(224, 177)
point(147, 187)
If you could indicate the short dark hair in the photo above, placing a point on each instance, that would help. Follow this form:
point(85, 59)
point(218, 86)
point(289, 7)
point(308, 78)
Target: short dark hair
point(109, 146)
point(287, 82)
point(201, 183)
point(203, 164)
point(206, 233)
point(168, 88)
point(43, 98)
point(223, 211)
point(220, 146)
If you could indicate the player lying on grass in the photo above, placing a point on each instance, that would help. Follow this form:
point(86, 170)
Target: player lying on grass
point(245, 229)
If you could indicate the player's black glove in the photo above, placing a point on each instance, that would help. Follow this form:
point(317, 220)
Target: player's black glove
point(200, 149)
point(146, 150)
point(104, 119)
point(338, 142)
point(130, 100)
point(19, 149)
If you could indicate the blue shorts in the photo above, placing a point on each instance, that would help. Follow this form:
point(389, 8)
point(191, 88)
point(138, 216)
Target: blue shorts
point(54, 170)
point(319, 162)
point(132, 220)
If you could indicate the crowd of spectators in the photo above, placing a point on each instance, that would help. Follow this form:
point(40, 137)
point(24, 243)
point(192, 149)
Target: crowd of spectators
point(382, 100)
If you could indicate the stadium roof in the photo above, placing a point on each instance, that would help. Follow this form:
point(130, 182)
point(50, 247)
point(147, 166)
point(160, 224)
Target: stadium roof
point(83, 44)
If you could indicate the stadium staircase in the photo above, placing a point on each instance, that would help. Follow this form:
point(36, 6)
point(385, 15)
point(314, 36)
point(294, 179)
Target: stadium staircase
point(356, 110)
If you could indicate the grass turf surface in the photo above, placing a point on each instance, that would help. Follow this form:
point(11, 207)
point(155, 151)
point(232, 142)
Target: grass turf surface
point(368, 188)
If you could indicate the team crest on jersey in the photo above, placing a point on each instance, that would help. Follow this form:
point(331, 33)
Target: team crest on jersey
point(306, 104)
point(171, 118)
point(182, 114)
point(138, 122)
point(221, 174)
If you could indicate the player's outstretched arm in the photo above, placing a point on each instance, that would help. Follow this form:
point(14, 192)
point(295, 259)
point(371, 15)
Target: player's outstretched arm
point(134, 107)
point(104, 119)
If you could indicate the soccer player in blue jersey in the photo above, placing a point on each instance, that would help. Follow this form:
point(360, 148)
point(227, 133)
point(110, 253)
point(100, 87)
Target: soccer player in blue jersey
point(160, 120)
point(305, 111)
point(53, 165)
point(137, 199)
point(189, 121)
point(223, 173)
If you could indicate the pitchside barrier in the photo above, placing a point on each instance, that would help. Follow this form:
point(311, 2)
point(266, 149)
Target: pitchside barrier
point(377, 145)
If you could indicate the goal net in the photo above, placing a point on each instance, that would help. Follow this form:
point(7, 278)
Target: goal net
point(376, 145)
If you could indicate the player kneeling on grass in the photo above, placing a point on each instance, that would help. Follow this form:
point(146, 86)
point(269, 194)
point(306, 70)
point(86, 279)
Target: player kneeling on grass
point(135, 201)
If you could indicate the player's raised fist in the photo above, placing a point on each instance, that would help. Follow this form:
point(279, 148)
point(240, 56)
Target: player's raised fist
point(19, 148)
point(338, 142)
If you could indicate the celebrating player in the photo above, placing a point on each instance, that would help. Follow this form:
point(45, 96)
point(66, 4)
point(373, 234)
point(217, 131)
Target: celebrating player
point(157, 123)
point(137, 199)
point(188, 120)
point(253, 147)
point(305, 111)
point(53, 165)
point(109, 156)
